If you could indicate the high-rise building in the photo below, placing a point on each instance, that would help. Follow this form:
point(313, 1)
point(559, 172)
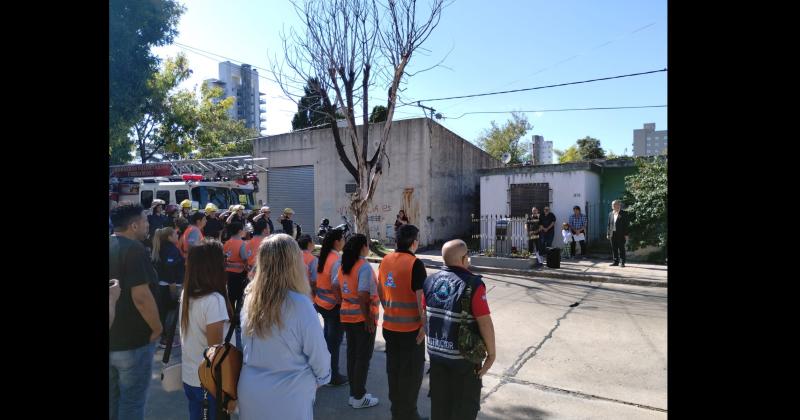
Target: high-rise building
point(649, 142)
point(241, 82)
point(542, 151)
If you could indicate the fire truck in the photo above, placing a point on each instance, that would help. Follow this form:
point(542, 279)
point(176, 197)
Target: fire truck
point(221, 181)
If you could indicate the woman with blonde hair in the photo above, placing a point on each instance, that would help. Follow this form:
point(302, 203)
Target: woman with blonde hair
point(285, 355)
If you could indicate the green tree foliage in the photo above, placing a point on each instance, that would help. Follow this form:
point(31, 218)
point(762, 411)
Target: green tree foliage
point(584, 149)
point(378, 114)
point(646, 198)
point(309, 109)
point(134, 28)
point(218, 135)
point(168, 120)
point(177, 124)
point(589, 148)
point(571, 154)
point(499, 140)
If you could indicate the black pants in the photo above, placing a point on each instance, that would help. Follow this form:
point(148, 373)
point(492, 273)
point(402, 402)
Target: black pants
point(572, 247)
point(360, 344)
point(405, 366)
point(166, 309)
point(236, 284)
point(535, 245)
point(333, 335)
point(455, 391)
point(617, 246)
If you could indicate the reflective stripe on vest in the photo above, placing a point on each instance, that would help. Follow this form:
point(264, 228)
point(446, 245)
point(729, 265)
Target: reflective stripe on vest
point(233, 260)
point(351, 304)
point(400, 312)
point(184, 244)
point(324, 295)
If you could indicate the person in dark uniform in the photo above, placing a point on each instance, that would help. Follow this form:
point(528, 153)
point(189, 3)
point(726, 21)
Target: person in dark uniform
point(617, 233)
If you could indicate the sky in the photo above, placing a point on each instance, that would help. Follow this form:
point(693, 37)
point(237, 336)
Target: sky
point(486, 46)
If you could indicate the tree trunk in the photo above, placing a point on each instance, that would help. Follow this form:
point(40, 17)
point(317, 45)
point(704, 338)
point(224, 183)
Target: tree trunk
point(360, 210)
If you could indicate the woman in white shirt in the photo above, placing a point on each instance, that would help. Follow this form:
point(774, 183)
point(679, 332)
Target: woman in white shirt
point(205, 312)
point(285, 355)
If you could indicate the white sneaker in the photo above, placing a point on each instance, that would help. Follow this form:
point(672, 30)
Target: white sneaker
point(352, 400)
point(365, 402)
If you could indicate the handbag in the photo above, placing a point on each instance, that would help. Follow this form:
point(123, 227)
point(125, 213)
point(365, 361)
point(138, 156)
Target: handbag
point(219, 372)
point(171, 378)
point(470, 342)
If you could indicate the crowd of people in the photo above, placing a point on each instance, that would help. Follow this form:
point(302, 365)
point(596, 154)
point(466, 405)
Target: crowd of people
point(218, 271)
point(540, 230)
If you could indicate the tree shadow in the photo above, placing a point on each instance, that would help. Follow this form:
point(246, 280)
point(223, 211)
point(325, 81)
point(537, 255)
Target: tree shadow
point(514, 412)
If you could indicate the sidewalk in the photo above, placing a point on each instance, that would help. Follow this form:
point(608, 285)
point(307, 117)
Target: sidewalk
point(587, 269)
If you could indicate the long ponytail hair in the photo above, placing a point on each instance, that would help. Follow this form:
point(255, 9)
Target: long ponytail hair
point(352, 251)
point(327, 245)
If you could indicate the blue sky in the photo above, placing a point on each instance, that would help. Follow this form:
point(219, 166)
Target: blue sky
point(496, 45)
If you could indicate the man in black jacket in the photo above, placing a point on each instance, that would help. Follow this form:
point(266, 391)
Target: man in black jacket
point(618, 221)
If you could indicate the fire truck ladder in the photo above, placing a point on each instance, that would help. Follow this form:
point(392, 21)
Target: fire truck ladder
point(225, 165)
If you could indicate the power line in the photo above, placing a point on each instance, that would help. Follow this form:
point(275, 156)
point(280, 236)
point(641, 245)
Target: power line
point(540, 87)
point(559, 110)
point(564, 61)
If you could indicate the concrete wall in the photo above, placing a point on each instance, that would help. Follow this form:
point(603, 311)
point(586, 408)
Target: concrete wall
point(454, 165)
point(569, 188)
point(415, 166)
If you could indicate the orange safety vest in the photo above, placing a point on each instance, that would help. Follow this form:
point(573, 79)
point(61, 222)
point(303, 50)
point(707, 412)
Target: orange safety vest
point(308, 257)
point(324, 296)
point(351, 306)
point(400, 312)
point(233, 261)
point(252, 249)
point(184, 244)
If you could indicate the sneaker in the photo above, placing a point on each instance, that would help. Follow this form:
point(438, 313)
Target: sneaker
point(365, 402)
point(352, 400)
point(614, 264)
point(338, 381)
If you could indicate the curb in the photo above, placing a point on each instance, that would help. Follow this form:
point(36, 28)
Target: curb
point(551, 274)
point(568, 276)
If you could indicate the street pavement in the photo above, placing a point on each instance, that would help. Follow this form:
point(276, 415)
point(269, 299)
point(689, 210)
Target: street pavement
point(604, 358)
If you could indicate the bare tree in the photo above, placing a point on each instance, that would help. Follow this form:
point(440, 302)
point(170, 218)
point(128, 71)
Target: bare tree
point(346, 47)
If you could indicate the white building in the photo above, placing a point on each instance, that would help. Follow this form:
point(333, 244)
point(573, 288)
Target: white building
point(649, 142)
point(512, 191)
point(241, 82)
point(542, 151)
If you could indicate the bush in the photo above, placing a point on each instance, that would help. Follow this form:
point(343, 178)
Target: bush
point(646, 200)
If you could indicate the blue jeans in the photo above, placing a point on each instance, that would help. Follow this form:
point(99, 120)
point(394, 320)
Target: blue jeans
point(333, 335)
point(129, 375)
point(195, 396)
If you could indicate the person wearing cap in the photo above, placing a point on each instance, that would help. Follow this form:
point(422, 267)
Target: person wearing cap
point(213, 228)
point(237, 215)
point(186, 208)
point(172, 213)
point(157, 220)
point(287, 223)
point(265, 212)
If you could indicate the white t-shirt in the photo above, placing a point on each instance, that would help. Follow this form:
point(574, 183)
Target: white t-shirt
point(202, 311)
